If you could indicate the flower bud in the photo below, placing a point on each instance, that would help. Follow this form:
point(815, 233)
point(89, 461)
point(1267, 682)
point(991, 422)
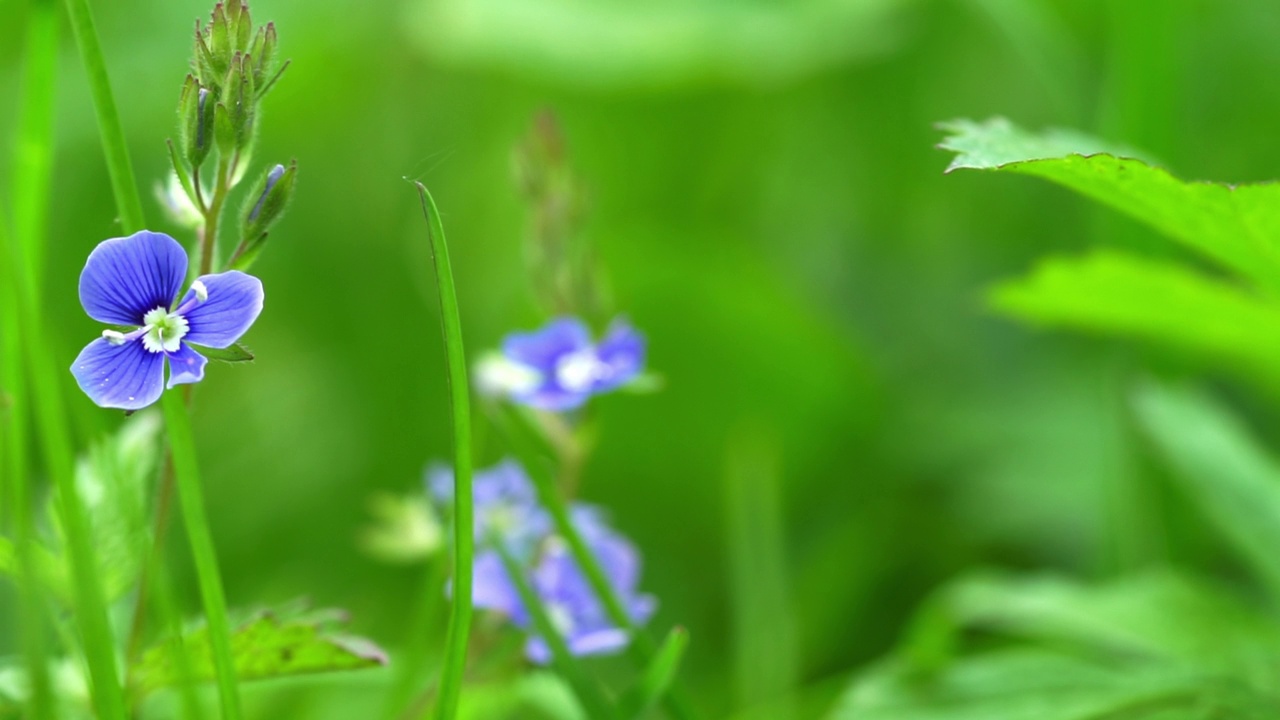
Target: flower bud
point(195, 109)
point(240, 101)
point(220, 37)
point(264, 52)
point(273, 193)
point(241, 25)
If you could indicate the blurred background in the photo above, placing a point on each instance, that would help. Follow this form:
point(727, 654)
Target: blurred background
point(764, 193)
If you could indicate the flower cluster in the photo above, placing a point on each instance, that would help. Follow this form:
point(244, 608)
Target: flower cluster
point(134, 282)
point(507, 511)
point(559, 368)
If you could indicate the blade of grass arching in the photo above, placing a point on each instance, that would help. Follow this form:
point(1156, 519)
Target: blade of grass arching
point(181, 442)
point(119, 167)
point(764, 661)
point(657, 677)
point(46, 401)
point(525, 443)
point(584, 686)
point(455, 660)
point(17, 497)
point(33, 149)
point(191, 500)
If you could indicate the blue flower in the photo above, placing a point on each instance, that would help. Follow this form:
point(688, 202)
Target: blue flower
point(505, 504)
point(134, 281)
point(559, 368)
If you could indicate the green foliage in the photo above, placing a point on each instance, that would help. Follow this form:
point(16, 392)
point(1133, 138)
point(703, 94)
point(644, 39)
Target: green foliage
point(1222, 469)
point(1236, 226)
point(269, 645)
point(1145, 647)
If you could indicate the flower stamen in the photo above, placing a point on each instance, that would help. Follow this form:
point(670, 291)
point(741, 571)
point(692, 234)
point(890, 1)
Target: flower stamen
point(164, 330)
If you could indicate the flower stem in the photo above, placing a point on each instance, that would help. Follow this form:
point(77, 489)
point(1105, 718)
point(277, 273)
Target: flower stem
point(191, 499)
point(123, 184)
point(455, 660)
point(33, 149)
point(181, 443)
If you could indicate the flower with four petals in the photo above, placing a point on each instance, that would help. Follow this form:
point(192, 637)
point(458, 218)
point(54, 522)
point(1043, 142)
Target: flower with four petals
point(134, 282)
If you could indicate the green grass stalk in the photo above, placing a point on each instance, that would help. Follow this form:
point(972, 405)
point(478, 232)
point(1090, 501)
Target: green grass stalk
point(90, 605)
point(119, 167)
point(191, 499)
point(455, 660)
point(17, 497)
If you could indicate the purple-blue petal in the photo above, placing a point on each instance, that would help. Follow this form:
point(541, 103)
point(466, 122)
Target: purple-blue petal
point(551, 396)
point(124, 376)
point(234, 302)
point(126, 277)
point(543, 348)
point(186, 366)
point(492, 588)
point(622, 350)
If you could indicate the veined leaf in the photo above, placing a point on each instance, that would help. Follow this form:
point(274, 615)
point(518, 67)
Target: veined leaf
point(1223, 469)
point(1237, 226)
point(267, 646)
point(1116, 293)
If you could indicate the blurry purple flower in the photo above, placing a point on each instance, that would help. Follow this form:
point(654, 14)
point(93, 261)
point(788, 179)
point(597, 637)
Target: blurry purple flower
point(505, 504)
point(134, 281)
point(559, 368)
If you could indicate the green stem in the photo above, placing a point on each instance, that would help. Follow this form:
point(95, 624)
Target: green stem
point(417, 652)
point(455, 660)
point(123, 184)
point(33, 150)
point(17, 497)
point(642, 647)
point(190, 497)
point(588, 692)
point(91, 610)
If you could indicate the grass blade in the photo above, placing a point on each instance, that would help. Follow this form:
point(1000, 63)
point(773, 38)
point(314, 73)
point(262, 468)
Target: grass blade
point(657, 678)
point(455, 659)
point(119, 167)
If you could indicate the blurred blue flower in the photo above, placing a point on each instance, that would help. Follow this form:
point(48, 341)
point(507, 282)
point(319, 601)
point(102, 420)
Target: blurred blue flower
point(559, 368)
point(505, 504)
point(134, 281)
point(507, 511)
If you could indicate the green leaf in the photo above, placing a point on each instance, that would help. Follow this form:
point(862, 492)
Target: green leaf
point(1116, 293)
point(1198, 628)
point(1030, 684)
point(49, 567)
point(1238, 227)
point(270, 645)
point(232, 354)
point(112, 480)
point(1222, 468)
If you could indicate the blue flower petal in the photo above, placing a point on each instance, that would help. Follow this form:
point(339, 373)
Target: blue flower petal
point(622, 351)
point(126, 277)
point(542, 349)
point(124, 376)
point(185, 366)
point(234, 302)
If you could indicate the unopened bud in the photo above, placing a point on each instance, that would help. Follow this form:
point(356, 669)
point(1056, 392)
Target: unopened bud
point(274, 192)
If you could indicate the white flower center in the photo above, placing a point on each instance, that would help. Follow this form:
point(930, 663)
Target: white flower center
point(579, 370)
point(164, 330)
point(497, 376)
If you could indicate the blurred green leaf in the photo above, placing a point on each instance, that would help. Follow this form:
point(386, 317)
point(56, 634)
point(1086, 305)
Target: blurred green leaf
point(268, 646)
point(1156, 300)
point(52, 572)
point(405, 529)
point(113, 480)
point(1236, 226)
point(235, 353)
point(656, 43)
point(1222, 468)
point(1030, 684)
